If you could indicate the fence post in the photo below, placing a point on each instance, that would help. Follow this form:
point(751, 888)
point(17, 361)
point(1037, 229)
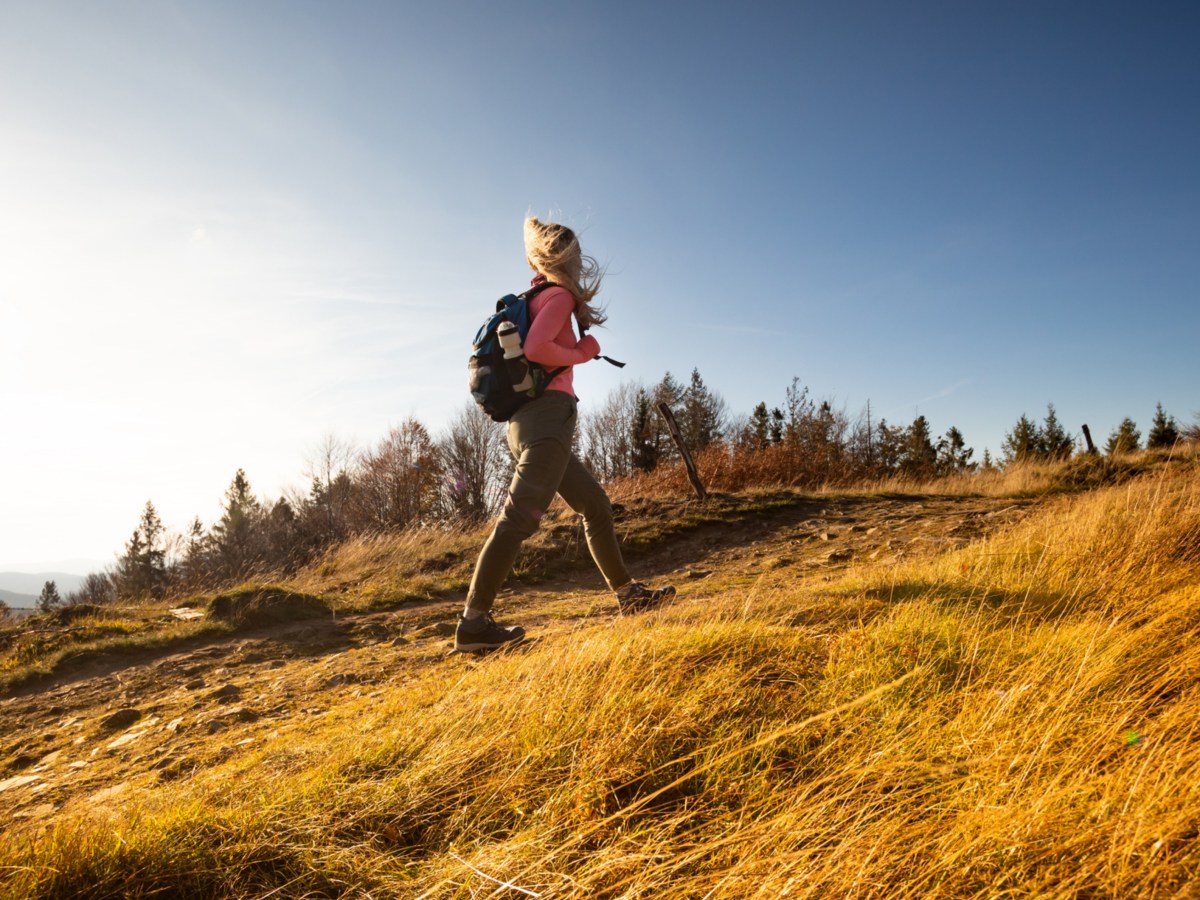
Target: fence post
point(677, 437)
point(1087, 436)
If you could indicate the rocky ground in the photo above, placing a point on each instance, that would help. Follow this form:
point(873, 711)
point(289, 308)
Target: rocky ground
point(102, 727)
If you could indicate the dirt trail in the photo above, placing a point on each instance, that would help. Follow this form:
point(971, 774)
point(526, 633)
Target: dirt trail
point(100, 729)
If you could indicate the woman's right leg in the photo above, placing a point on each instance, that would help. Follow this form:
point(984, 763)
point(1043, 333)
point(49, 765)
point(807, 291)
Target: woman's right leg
point(585, 495)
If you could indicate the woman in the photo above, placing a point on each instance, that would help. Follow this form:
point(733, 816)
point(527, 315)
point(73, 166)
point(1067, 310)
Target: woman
point(539, 436)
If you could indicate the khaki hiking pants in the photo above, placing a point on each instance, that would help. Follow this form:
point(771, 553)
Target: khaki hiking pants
point(539, 436)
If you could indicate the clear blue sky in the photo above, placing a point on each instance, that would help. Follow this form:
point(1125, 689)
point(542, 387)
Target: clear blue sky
point(230, 229)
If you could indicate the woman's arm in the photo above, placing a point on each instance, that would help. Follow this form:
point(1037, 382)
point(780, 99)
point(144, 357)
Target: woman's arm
point(548, 324)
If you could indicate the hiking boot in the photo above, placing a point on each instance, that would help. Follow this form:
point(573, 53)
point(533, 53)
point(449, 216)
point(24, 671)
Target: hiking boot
point(635, 596)
point(484, 634)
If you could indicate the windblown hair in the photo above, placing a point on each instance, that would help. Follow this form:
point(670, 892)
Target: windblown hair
point(553, 250)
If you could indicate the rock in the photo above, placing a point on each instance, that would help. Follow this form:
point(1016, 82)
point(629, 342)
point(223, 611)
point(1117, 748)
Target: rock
point(124, 740)
point(186, 615)
point(839, 556)
point(827, 535)
point(18, 781)
point(226, 692)
point(341, 678)
point(195, 684)
point(38, 812)
point(122, 718)
point(399, 641)
point(445, 629)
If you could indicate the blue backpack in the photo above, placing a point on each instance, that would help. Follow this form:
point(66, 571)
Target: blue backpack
point(488, 375)
point(491, 377)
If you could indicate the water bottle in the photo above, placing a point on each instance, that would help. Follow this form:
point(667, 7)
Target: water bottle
point(514, 357)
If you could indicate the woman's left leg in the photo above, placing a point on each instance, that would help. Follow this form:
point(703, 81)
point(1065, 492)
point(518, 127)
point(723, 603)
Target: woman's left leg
point(539, 436)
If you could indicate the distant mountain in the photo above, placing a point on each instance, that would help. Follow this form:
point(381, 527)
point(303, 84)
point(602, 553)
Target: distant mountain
point(27, 583)
point(17, 601)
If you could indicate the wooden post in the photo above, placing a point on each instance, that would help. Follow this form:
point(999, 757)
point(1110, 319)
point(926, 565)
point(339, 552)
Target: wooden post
point(1087, 436)
point(677, 437)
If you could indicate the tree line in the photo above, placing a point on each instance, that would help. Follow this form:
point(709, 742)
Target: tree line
point(411, 478)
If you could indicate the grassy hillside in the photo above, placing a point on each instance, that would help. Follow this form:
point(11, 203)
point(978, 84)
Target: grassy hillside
point(872, 695)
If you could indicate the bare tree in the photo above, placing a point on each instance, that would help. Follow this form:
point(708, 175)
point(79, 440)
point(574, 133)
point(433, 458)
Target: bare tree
point(397, 482)
point(475, 464)
point(608, 433)
point(324, 512)
point(98, 588)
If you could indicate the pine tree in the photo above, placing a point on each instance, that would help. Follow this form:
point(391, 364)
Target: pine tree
point(237, 539)
point(1055, 442)
point(645, 451)
point(49, 600)
point(142, 570)
point(1164, 430)
point(918, 456)
point(953, 453)
point(760, 427)
point(702, 416)
point(670, 392)
point(776, 430)
point(1125, 438)
point(798, 410)
point(1023, 443)
point(889, 446)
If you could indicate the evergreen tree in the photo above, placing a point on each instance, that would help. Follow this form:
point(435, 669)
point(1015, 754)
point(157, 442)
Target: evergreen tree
point(760, 427)
point(1023, 443)
point(1055, 442)
point(889, 446)
point(645, 451)
point(953, 453)
point(49, 600)
point(798, 410)
point(142, 570)
point(1125, 438)
point(702, 415)
point(670, 392)
point(918, 456)
point(1164, 430)
point(237, 539)
point(987, 465)
point(776, 430)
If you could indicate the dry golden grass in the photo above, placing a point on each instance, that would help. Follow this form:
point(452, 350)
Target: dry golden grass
point(739, 469)
point(1018, 718)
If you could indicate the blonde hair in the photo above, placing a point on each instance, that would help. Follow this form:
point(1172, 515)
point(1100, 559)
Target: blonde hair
point(553, 250)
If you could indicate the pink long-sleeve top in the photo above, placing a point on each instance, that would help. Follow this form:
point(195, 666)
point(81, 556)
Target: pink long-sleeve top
point(551, 341)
